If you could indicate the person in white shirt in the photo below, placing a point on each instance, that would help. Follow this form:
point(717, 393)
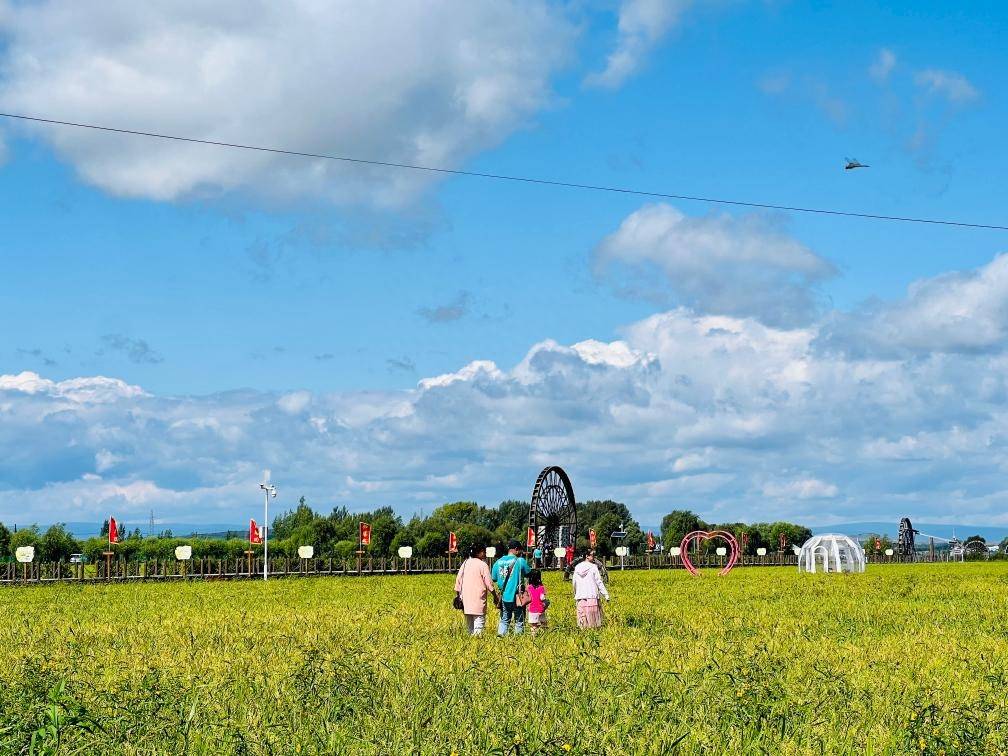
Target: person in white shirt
point(588, 588)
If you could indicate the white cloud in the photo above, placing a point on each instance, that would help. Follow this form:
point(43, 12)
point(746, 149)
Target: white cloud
point(805, 488)
point(722, 414)
point(953, 86)
point(883, 65)
point(959, 312)
point(642, 25)
point(716, 263)
point(431, 82)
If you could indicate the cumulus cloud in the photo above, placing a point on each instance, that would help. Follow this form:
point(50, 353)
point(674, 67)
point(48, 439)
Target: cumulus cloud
point(743, 266)
point(958, 312)
point(954, 87)
point(883, 65)
point(642, 25)
point(723, 414)
point(431, 83)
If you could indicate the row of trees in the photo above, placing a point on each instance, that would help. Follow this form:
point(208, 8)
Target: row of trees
point(335, 534)
point(750, 537)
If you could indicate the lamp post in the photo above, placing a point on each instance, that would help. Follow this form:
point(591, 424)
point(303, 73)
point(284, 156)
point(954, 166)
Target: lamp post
point(268, 490)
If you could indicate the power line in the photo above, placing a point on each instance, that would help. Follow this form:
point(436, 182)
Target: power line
point(518, 179)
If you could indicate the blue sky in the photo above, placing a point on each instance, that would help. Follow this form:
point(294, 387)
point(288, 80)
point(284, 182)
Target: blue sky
point(230, 283)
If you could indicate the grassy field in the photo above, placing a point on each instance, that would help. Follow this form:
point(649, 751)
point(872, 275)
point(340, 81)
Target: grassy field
point(903, 659)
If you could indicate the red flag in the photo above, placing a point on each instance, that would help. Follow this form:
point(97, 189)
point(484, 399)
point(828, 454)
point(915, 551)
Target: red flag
point(452, 543)
point(365, 534)
point(530, 539)
point(113, 531)
point(592, 538)
point(255, 533)
point(650, 541)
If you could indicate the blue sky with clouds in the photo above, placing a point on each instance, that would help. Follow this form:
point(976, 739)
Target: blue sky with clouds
point(177, 317)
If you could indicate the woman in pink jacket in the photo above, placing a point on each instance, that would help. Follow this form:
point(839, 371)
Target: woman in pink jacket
point(472, 584)
point(588, 588)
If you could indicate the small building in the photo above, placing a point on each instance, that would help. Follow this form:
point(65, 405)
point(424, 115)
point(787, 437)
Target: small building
point(831, 552)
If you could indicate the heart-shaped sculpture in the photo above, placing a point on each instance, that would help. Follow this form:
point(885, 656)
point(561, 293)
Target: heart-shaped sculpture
point(704, 535)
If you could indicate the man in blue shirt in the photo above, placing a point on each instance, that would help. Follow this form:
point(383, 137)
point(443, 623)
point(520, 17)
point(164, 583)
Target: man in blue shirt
point(509, 572)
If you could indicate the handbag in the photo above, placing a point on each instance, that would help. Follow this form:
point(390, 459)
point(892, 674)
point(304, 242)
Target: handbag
point(457, 602)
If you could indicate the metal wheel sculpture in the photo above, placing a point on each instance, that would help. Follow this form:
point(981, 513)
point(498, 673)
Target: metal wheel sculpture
point(975, 548)
point(553, 513)
point(905, 539)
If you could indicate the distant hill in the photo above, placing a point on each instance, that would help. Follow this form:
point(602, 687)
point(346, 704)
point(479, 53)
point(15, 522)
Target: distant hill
point(992, 534)
point(83, 530)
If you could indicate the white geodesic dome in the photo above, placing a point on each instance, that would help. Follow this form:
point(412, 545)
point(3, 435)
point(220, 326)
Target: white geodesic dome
point(831, 552)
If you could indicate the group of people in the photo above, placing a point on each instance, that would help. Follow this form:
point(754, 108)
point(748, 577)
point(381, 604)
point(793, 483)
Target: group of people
point(517, 590)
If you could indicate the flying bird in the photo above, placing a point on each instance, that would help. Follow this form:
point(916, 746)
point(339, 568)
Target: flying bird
point(853, 163)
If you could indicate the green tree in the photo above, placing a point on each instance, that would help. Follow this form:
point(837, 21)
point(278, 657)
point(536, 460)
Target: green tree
point(24, 537)
point(677, 523)
point(57, 544)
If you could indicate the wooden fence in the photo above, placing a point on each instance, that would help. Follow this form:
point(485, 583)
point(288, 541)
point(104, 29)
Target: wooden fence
point(206, 568)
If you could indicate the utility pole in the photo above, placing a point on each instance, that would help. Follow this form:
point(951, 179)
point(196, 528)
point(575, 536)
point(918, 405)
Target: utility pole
point(268, 490)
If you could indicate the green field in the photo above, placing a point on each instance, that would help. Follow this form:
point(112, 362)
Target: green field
point(903, 659)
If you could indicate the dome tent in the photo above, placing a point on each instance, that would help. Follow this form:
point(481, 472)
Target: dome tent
point(831, 552)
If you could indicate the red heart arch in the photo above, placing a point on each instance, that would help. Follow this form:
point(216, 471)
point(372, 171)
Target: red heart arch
point(703, 535)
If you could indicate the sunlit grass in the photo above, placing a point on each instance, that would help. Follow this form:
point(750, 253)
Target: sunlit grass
point(903, 659)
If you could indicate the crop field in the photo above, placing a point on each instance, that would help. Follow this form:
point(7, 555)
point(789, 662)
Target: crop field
point(902, 659)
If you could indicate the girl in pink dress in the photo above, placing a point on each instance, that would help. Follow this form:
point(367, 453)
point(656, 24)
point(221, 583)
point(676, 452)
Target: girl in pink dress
point(537, 602)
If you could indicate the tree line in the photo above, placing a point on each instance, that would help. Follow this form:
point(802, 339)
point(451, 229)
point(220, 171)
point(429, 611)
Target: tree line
point(335, 534)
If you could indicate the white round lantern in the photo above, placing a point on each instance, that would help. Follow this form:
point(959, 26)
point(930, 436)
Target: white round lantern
point(761, 551)
point(721, 551)
point(405, 552)
point(559, 552)
point(622, 551)
point(675, 551)
point(182, 553)
point(24, 554)
point(306, 552)
point(491, 552)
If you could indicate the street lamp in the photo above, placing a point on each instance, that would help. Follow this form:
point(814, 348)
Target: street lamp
point(268, 490)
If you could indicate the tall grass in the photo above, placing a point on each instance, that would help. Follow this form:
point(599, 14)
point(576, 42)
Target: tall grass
point(903, 659)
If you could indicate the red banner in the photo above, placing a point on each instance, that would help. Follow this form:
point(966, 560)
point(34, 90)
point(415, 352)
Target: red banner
point(650, 541)
point(365, 534)
point(783, 541)
point(878, 545)
point(592, 538)
point(255, 533)
point(530, 539)
point(452, 543)
point(113, 531)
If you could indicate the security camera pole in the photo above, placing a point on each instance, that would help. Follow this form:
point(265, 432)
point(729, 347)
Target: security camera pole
point(268, 490)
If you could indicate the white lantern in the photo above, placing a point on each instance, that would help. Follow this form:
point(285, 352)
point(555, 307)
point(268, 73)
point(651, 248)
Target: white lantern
point(405, 552)
point(761, 551)
point(559, 552)
point(675, 551)
point(622, 551)
point(721, 551)
point(306, 552)
point(888, 552)
point(491, 552)
point(182, 553)
point(25, 554)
